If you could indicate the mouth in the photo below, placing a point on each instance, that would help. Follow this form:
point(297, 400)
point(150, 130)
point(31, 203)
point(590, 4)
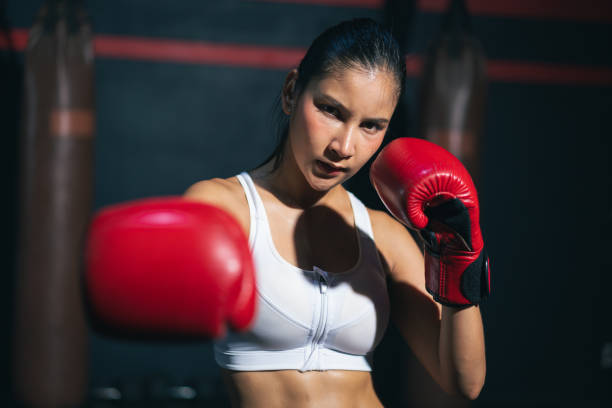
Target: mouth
point(330, 169)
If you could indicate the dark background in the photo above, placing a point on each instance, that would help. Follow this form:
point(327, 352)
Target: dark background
point(544, 188)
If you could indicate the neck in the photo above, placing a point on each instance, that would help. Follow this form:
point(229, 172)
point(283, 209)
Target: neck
point(287, 183)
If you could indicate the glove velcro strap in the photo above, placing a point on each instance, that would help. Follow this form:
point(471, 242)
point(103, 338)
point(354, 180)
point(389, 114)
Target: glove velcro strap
point(457, 278)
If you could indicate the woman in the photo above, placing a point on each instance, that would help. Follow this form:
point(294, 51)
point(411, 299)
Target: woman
point(322, 258)
point(329, 271)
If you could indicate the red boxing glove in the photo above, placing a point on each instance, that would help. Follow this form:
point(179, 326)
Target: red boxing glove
point(169, 266)
point(429, 190)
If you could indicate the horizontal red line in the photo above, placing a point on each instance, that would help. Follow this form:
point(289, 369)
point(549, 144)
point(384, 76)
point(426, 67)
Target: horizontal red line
point(516, 71)
point(177, 51)
point(263, 57)
point(197, 52)
point(592, 10)
point(340, 3)
point(16, 39)
point(537, 72)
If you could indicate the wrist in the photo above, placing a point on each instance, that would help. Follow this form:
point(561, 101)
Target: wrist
point(457, 278)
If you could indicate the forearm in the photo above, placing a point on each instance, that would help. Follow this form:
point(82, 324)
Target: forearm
point(461, 351)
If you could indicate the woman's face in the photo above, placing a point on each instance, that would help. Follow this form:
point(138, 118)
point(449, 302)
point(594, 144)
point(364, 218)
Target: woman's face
point(338, 122)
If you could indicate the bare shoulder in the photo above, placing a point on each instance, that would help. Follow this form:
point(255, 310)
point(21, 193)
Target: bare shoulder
point(397, 246)
point(226, 194)
point(214, 191)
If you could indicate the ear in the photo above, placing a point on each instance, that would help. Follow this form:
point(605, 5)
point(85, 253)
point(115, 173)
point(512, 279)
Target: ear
point(288, 92)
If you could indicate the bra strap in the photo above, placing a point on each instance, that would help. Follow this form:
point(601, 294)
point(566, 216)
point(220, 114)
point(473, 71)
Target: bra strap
point(251, 196)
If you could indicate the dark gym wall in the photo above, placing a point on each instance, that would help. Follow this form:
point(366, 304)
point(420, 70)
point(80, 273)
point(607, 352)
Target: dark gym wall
point(162, 125)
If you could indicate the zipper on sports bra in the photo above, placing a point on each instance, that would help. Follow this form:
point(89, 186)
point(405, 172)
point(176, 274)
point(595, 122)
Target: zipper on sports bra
point(323, 284)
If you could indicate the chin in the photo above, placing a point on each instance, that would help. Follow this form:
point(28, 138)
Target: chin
point(318, 183)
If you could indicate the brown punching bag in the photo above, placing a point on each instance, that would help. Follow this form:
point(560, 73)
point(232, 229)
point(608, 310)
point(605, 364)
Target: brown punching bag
point(50, 338)
point(451, 114)
point(453, 90)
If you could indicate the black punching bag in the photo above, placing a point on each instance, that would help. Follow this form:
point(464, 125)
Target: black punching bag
point(50, 338)
point(453, 89)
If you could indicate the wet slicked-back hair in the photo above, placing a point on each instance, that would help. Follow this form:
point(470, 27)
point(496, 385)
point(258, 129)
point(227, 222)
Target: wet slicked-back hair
point(360, 44)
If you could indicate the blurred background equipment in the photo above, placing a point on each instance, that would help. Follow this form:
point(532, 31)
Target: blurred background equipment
point(50, 338)
point(453, 89)
point(450, 112)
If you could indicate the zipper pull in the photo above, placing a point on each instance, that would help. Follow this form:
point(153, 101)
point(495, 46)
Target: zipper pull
point(323, 279)
point(322, 284)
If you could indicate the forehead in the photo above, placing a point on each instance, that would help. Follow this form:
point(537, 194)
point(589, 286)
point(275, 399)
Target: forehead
point(371, 92)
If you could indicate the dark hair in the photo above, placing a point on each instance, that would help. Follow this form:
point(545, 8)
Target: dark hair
point(359, 43)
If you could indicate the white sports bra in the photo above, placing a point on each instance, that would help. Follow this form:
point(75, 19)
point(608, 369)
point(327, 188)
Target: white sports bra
point(309, 319)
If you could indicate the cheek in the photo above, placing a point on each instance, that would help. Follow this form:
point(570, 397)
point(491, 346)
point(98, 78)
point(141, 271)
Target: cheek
point(370, 146)
point(314, 128)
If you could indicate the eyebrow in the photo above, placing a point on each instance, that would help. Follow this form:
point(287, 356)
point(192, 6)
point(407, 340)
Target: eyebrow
point(336, 104)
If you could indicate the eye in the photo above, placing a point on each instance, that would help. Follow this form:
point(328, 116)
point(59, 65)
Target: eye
point(372, 126)
point(330, 110)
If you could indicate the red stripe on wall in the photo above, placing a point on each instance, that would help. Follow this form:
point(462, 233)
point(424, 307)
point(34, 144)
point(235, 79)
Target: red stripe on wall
point(537, 72)
point(341, 3)
point(197, 52)
point(591, 10)
point(516, 71)
point(239, 55)
point(177, 51)
point(18, 40)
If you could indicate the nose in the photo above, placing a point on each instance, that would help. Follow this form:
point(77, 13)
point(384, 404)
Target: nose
point(343, 143)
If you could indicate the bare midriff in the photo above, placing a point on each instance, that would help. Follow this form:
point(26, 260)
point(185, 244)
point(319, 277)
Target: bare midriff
point(291, 388)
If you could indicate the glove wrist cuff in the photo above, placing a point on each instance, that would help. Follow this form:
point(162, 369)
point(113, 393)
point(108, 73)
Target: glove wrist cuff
point(457, 279)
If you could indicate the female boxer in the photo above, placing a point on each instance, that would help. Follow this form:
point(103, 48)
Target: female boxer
point(330, 272)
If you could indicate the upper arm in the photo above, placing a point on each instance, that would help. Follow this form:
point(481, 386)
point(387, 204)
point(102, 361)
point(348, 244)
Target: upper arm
point(413, 310)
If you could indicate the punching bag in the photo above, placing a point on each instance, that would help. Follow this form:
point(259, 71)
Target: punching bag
point(50, 337)
point(453, 89)
point(451, 114)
